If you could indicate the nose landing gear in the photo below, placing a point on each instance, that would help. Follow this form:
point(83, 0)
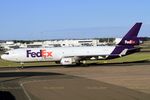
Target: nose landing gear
point(22, 64)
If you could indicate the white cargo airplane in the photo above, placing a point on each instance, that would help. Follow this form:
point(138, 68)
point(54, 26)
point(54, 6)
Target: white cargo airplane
point(73, 55)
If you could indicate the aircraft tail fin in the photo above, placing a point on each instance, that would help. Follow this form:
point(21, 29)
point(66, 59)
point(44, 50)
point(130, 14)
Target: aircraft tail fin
point(127, 44)
point(131, 37)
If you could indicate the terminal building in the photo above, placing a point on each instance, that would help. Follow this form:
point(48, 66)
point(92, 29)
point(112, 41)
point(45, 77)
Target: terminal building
point(7, 45)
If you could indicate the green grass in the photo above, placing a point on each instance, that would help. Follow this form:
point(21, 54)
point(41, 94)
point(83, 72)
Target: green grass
point(4, 63)
point(129, 58)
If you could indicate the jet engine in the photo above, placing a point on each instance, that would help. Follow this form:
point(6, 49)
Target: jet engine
point(67, 61)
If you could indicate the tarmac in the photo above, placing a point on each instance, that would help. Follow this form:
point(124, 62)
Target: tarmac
point(129, 81)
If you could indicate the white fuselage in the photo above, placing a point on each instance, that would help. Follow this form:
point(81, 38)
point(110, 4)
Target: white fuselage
point(55, 54)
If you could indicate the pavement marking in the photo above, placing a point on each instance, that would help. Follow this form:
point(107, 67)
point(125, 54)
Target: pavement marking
point(26, 93)
point(24, 90)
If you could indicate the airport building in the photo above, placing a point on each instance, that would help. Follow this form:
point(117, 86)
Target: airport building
point(71, 43)
point(7, 45)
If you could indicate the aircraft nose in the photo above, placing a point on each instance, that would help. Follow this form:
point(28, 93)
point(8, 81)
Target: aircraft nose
point(3, 57)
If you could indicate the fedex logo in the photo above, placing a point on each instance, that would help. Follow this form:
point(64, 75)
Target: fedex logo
point(41, 53)
point(130, 42)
